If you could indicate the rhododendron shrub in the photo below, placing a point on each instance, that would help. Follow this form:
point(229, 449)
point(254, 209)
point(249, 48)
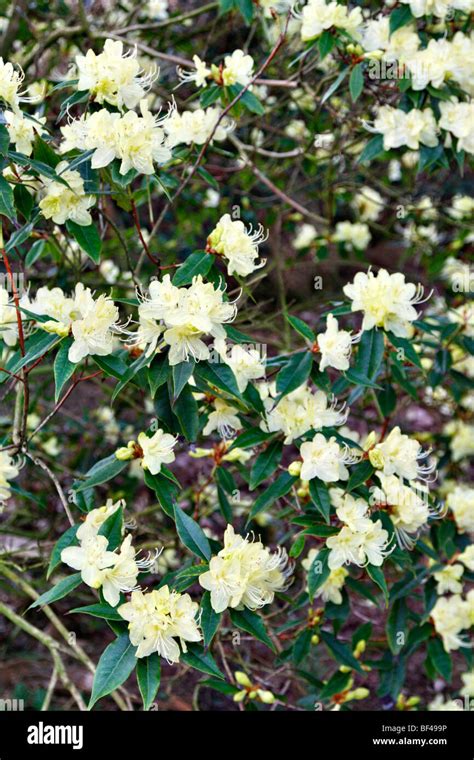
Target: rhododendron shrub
point(237, 370)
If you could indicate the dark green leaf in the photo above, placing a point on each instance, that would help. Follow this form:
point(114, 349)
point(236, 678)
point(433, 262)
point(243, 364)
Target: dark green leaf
point(252, 623)
point(88, 238)
point(191, 534)
point(114, 667)
point(148, 678)
point(58, 591)
point(196, 263)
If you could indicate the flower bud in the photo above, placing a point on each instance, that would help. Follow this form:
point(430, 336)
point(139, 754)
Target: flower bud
point(242, 678)
point(370, 441)
point(376, 458)
point(266, 697)
point(315, 639)
point(124, 453)
point(55, 327)
point(360, 693)
point(374, 55)
point(295, 468)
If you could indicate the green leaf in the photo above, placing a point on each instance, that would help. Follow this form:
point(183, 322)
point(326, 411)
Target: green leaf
point(191, 534)
point(63, 368)
point(298, 546)
point(337, 683)
point(252, 623)
point(400, 17)
point(340, 651)
point(67, 539)
point(165, 491)
point(196, 263)
point(88, 238)
point(203, 661)
point(376, 573)
point(356, 81)
point(36, 346)
point(114, 667)
point(301, 328)
point(4, 140)
point(319, 493)
point(265, 464)
point(250, 438)
point(302, 645)
point(112, 366)
point(158, 373)
point(35, 252)
point(186, 410)
point(396, 627)
point(440, 659)
point(130, 373)
point(318, 572)
point(279, 488)
point(387, 399)
point(370, 354)
point(326, 43)
point(430, 156)
point(218, 375)
point(24, 201)
point(112, 529)
point(247, 10)
point(210, 620)
point(103, 611)
point(180, 374)
point(360, 474)
point(7, 203)
point(406, 349)
point(61, 589)
point(101, 472)
point(357, 379)
point(207, 177)
point(148, 678)
point(209, 96)
point(335, 85)
point(294, 373)
point(44, 153)
point(373, 149)
point(19, 236)
point(224, 504)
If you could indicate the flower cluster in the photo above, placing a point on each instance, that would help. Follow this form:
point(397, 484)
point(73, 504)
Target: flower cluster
point(65, 199)
point(196, 127)
point(113, 76)
point(326, 459)
point(137, 141)
point(237, 68)
point(360, 541)
point(451, 615)
point(112, 571)
point(183, 317)
point(90, 322)
point(335, 346)
point(159, 617)
point(151, 451)
point(231, 240)
point(386, 300)
point(299, 411)
point(244, 574)
point(318, 15)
